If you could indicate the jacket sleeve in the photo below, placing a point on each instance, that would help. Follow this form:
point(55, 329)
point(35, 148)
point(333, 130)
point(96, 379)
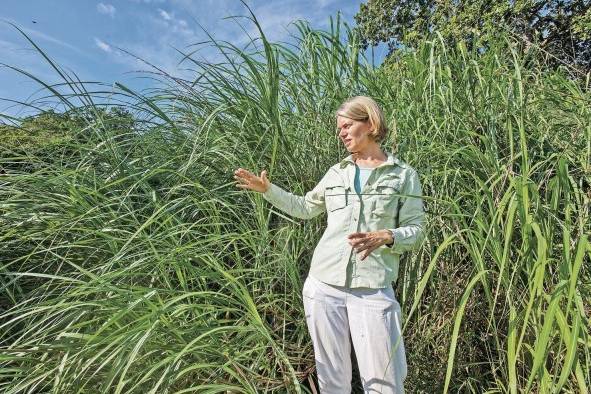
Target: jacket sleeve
point(411, 216)
point(303, 207)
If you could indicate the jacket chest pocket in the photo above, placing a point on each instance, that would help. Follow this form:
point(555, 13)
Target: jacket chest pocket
point(384, 204)
point(386, 194)
point(335, 197)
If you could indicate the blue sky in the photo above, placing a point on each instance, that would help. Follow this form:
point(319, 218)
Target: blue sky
point(83, 35)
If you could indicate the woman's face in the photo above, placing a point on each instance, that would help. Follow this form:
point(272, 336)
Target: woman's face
point(355, 134)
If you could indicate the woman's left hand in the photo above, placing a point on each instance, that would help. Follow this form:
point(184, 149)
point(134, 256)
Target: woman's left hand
point(369, 241)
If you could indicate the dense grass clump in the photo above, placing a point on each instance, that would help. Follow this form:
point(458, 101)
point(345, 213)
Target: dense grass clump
point(132, 264)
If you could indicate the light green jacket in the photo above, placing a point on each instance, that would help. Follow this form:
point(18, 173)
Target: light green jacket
point(390, 199)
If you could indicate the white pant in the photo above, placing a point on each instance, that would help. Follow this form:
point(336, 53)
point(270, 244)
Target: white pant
point(372, 318)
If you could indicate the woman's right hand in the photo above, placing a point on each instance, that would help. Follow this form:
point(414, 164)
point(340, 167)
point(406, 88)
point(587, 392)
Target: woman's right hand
point(251, 181)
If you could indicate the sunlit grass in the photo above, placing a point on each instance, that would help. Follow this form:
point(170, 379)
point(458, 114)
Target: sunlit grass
point(136, 265)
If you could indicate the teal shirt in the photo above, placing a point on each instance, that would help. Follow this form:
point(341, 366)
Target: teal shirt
point(361, 175)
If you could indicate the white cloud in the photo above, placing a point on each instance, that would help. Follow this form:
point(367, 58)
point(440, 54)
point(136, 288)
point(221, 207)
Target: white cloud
point(275, 17)
point(165, 15)
point(16, 86)
point(169, 29)
point(103, 45)
point(177, 24)
point(32, 33)
point(107, 9)
point(174, 26)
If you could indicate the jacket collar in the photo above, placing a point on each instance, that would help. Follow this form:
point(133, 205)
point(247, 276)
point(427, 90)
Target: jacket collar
point(391, 160)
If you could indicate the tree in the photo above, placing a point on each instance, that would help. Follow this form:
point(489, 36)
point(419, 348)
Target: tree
point(561, 28)
point(50, 137)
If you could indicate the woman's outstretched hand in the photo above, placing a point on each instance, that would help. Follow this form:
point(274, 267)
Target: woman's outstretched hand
point(248, 180)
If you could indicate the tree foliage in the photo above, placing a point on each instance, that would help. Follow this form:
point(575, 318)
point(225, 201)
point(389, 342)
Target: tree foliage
point(49, 134)
point(561, 28)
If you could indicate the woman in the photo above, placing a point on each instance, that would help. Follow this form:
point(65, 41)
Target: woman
point(374, 213)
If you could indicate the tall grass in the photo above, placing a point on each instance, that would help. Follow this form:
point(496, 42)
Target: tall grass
point(505, 152)
point(136, 265)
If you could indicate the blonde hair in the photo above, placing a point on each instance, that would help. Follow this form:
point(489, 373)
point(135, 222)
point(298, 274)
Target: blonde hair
point(363, 108)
